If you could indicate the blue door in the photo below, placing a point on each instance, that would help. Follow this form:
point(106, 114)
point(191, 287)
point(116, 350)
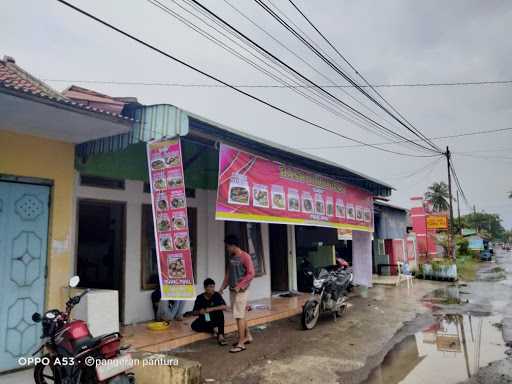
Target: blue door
point(23, 248)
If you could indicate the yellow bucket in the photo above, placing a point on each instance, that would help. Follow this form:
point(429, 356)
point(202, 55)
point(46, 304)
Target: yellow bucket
point(158, 325)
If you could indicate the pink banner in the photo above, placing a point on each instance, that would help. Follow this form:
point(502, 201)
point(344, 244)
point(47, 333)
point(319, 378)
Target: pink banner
point(252, 188)
point(170, 220)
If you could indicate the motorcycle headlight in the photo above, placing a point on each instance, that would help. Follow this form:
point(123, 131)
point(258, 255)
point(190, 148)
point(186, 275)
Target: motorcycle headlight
point(49, 315)
point(318, 283)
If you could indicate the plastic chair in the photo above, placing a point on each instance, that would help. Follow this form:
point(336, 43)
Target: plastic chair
point(404, 275)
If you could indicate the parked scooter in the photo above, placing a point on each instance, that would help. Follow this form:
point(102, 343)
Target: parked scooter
point(70, 354)
point(330, 295)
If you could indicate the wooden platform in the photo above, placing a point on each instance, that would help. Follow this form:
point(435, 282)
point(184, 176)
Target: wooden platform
point(180, 333)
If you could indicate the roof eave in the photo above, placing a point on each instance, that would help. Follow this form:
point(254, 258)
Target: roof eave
point(66, 104)
point(293, 152)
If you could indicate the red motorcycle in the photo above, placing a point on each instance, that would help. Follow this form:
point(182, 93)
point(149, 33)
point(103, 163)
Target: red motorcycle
point(70, 355)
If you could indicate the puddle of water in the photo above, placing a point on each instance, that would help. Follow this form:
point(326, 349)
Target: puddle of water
point(446, 296)
point(448, 351)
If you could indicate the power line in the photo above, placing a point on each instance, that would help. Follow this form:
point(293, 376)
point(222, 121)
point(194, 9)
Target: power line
point(485, 157)
point(429, 166)
point(474, 133)
point(344, 75)
point(354, 110)
point(457, 181)
point(408, 123)
point(487, 150)
point(336, 111)
point(205, 85)
point(260, 100)
point(296, 55)
point(236, 53)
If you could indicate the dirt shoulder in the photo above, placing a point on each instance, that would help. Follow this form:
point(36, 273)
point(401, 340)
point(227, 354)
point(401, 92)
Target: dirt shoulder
point(355, 343)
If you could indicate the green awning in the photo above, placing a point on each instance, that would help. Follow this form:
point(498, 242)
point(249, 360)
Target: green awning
point(201, 164)
point(151, 122)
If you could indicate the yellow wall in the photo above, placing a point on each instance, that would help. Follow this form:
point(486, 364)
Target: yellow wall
point(29, 156)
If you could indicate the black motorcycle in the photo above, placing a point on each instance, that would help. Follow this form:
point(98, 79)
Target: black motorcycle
point(330, 290)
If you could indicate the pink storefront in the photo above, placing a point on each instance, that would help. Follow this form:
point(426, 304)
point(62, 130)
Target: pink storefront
point(425, 239)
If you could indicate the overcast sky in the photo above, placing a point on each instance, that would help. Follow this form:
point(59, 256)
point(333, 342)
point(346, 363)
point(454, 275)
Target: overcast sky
point(387, 41)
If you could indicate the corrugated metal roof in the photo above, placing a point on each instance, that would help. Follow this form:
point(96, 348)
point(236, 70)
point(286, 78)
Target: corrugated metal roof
point(163, 120)
point(388, 205)
point(286, 154)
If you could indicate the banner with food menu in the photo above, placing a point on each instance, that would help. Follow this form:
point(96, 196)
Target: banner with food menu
point(252, 188)
point(170, 220)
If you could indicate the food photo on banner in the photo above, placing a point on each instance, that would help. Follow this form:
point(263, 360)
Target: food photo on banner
point(253, 188)
point(170, 219)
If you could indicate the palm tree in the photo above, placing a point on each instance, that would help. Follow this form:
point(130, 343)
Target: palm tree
point(437, 194)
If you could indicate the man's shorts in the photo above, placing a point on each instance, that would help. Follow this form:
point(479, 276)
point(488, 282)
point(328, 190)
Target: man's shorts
point(238, 303)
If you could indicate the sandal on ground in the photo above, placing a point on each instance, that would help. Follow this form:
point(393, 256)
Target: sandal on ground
point(247, 342)
point(237, 349)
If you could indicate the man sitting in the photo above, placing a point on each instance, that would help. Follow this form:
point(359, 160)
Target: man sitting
point(208, 307)
point(166, 310)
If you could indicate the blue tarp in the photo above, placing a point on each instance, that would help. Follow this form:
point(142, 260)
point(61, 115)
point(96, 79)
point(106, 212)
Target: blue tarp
point(476, 244)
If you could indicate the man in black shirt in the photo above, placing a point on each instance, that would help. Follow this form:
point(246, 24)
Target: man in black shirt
point(208, 307)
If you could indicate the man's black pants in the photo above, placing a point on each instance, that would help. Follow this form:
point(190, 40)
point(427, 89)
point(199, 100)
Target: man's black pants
point(216, 320)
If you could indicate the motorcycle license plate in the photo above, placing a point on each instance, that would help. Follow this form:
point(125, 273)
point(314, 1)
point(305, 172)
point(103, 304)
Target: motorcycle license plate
point(112, 367)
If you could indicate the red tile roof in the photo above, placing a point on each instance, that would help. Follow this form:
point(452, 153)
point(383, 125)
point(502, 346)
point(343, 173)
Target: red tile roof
point(16, 79)
point(13, 76)
point(94, 99)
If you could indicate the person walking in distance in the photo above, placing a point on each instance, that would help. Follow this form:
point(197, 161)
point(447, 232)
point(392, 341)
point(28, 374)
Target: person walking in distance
point(239, 274)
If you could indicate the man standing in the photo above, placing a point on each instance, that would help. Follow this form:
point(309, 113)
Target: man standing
point(239, 274)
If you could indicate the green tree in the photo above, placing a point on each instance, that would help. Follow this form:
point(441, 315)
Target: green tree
point(437, 194)
point(462, 245)
point(489, 223)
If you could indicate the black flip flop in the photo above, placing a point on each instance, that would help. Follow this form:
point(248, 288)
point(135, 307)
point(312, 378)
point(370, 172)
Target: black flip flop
point(237, 349)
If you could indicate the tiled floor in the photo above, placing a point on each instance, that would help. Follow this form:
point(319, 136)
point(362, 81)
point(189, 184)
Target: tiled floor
point(180, 333)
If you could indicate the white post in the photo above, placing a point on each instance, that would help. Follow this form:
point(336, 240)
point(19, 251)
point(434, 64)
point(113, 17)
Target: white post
point(362, 257)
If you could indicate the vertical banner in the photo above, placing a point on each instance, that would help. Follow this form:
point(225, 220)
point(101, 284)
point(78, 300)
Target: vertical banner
point(170, 220)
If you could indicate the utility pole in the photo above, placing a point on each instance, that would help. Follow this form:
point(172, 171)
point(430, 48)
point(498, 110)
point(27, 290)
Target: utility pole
point(450, 197)
point(474, 218)
point(458, 212)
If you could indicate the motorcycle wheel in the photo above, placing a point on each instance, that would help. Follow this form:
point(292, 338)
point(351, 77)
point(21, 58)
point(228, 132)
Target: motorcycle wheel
point(46, 374)
point(310, 314)
point(341, 311)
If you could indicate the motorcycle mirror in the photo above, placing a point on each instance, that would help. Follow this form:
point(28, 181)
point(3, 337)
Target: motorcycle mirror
point(36, 317)
point(73, 282)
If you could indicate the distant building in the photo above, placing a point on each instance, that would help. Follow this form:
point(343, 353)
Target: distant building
point(392, 243)
point(426, 239)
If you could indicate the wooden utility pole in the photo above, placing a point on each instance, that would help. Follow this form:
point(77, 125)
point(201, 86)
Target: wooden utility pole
point(458, 212)
point(474, 218)
point(450, 198)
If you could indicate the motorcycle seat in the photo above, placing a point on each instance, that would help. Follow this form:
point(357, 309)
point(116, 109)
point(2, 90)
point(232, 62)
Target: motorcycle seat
point(88, 343)
point(343, 280)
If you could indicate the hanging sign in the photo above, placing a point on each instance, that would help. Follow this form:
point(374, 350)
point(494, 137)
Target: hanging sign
point(170, 220)
point(252, 188)
point(437, 222)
